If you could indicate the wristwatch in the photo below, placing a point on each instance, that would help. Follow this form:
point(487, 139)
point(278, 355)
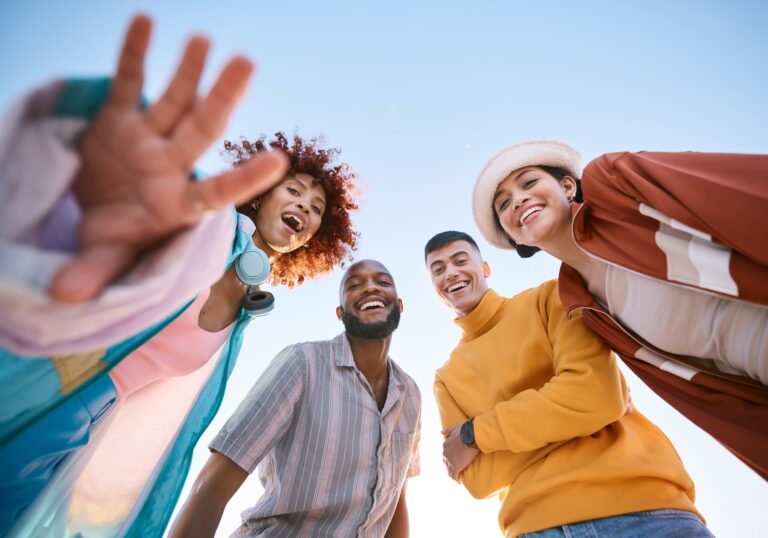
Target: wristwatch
point(467, 433)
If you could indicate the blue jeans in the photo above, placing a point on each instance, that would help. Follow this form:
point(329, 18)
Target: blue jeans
point(654, 523)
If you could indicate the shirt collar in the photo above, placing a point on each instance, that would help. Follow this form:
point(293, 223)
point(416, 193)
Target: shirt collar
point(342, 352)
point(342, 356)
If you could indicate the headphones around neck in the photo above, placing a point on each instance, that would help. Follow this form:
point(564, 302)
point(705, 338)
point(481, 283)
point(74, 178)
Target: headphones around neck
point(252, 269)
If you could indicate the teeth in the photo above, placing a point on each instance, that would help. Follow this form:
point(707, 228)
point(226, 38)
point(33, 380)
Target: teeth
point(294, 222)
point(457, 286)
point(528, 212)
point(372, 304)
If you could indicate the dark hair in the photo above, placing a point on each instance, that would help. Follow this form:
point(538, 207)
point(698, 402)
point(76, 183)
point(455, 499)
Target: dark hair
point(446, 238)
point(336, 238)
point(525, 251)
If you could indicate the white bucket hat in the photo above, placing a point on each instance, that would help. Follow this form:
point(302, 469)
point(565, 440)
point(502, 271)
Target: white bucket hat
point(534, 153)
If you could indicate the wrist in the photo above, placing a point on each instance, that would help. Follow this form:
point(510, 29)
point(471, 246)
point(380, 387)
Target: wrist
point(467, 433)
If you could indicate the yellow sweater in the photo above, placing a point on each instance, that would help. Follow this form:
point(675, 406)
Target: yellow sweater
point(550, 419)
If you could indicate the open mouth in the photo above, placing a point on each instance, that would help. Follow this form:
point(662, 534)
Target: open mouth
point(293, 222)
point(457, 286)
point(371, 305)
point(529, 212)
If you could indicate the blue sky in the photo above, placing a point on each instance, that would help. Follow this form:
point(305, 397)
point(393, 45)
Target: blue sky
point(418, 97)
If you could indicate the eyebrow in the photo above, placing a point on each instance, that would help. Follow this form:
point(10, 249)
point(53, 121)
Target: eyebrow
point(455, 254)
point(379, 274)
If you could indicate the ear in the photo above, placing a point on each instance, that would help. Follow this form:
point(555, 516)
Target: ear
point(486, 269)
point(569, 186)
point(400, 302)
point(339, 312)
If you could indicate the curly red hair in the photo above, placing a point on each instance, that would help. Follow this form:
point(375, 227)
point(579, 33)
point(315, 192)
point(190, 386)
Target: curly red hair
point(336, 238)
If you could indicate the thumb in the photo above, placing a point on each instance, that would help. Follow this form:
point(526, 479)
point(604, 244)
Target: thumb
point(87, 275)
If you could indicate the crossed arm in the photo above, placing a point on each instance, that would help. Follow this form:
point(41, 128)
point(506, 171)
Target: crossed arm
point(585, 394)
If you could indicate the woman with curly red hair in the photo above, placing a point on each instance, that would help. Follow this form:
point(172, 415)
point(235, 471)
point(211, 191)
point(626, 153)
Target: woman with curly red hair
point(302, 224)
point(335, 237)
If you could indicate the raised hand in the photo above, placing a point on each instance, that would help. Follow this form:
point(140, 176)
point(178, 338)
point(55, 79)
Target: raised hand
point(133, 185)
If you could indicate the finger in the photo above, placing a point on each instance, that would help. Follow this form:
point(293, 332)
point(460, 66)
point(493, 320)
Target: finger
point(182, 90)
point(87, 275)
point(125, 91)
point(206, 121)
point(236, 186)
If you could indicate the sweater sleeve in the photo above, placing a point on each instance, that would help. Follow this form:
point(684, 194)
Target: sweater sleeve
point(585, 394)
point(488, 473)
point(450, 412)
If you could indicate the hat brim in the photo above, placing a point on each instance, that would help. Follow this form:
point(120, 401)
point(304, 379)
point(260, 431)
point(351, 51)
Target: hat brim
point(500, 166)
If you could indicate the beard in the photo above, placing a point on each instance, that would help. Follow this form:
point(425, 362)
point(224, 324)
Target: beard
point(371, 331)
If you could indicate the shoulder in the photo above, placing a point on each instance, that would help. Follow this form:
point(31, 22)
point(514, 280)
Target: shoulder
point(309, 350)
point(543, 297)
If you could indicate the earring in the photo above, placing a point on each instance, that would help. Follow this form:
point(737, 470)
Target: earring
point(570, 198)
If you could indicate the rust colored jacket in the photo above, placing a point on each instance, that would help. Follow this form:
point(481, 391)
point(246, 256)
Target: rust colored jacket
point(698, 220)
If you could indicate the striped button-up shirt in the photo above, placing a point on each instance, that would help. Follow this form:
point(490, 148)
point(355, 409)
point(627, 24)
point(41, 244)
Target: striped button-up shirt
point(331, 463)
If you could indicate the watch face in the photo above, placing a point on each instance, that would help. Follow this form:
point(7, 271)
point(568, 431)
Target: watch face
point(467, 433)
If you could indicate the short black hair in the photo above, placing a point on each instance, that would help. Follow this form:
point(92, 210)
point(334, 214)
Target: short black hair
point(446, 238)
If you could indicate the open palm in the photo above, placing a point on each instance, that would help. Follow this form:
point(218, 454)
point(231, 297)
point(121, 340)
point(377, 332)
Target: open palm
point(134, 184)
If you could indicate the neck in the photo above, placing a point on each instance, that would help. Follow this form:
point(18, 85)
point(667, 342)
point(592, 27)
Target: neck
point(370, 356)
point(564, 248)
point(271, 253)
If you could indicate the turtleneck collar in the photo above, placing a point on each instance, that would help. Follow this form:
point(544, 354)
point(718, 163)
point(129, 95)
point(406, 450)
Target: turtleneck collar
point(474, 323)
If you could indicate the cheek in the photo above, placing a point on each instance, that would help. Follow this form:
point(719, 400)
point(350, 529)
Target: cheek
point(315, 221)
point(506, 224)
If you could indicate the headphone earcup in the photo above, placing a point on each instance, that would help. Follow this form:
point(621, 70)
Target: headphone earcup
point(258, 303)
point(252, 266)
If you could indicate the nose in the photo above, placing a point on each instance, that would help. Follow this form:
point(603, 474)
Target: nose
point(303, 207)
point(518, 202)
point(451, 272)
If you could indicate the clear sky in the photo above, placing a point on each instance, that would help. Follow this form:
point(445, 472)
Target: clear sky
point(418, 97)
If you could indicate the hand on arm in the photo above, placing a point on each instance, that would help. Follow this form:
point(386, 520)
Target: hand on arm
point(133, 185)
point(219, 479)
point(456, 455)
point(487, 473)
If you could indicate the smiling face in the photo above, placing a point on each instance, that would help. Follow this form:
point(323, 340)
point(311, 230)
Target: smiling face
point(289, 214)
point(458, 275)
point(532, 206)
point(370, 307)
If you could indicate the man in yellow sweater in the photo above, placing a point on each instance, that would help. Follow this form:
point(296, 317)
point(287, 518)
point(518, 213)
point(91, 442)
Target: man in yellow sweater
point(534, 410)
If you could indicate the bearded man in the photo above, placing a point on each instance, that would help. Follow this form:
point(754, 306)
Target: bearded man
point(333, 427)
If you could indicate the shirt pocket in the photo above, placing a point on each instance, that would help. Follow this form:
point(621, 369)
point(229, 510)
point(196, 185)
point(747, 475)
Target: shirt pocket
point(399, 457)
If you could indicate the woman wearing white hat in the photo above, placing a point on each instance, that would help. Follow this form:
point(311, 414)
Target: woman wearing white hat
point(666, 257)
